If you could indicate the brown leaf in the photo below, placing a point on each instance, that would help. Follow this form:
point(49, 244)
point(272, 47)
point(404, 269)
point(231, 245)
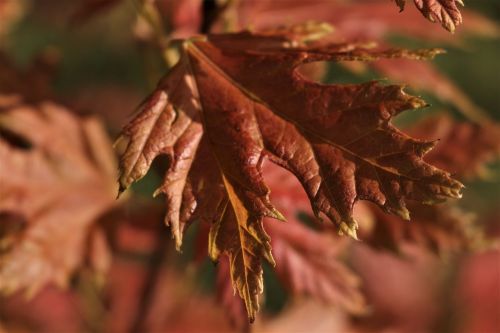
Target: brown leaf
point(59, 181)
point(242, 94)
point(445, 12)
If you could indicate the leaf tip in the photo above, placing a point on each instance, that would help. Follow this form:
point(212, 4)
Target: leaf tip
point(276, 214)
point(121, 189)
point(157, 192)
point(349, 229)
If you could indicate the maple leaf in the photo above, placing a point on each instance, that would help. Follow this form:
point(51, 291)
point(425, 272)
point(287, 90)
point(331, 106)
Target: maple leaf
point(445, 12)
point(57, 175)
point(234, 100)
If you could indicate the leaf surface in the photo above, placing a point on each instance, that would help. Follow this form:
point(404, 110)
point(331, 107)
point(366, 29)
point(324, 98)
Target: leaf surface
point(234, 100)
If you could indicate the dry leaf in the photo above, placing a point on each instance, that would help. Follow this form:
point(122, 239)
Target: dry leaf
point(445, 12)
point(57, 174)
point(240, 92)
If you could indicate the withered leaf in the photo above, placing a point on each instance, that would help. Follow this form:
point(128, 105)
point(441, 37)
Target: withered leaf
point(59, 183)
point(445, 12)
point(234, 100)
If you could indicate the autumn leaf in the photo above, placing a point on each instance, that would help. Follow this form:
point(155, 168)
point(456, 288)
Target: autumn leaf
point(445, 12)
point(57, 176)
point(234, 100)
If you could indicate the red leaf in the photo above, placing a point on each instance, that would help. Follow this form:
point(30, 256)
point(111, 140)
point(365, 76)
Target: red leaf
point(235, 99)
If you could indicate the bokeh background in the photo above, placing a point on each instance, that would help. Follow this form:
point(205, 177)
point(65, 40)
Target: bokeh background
point(100, 60)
